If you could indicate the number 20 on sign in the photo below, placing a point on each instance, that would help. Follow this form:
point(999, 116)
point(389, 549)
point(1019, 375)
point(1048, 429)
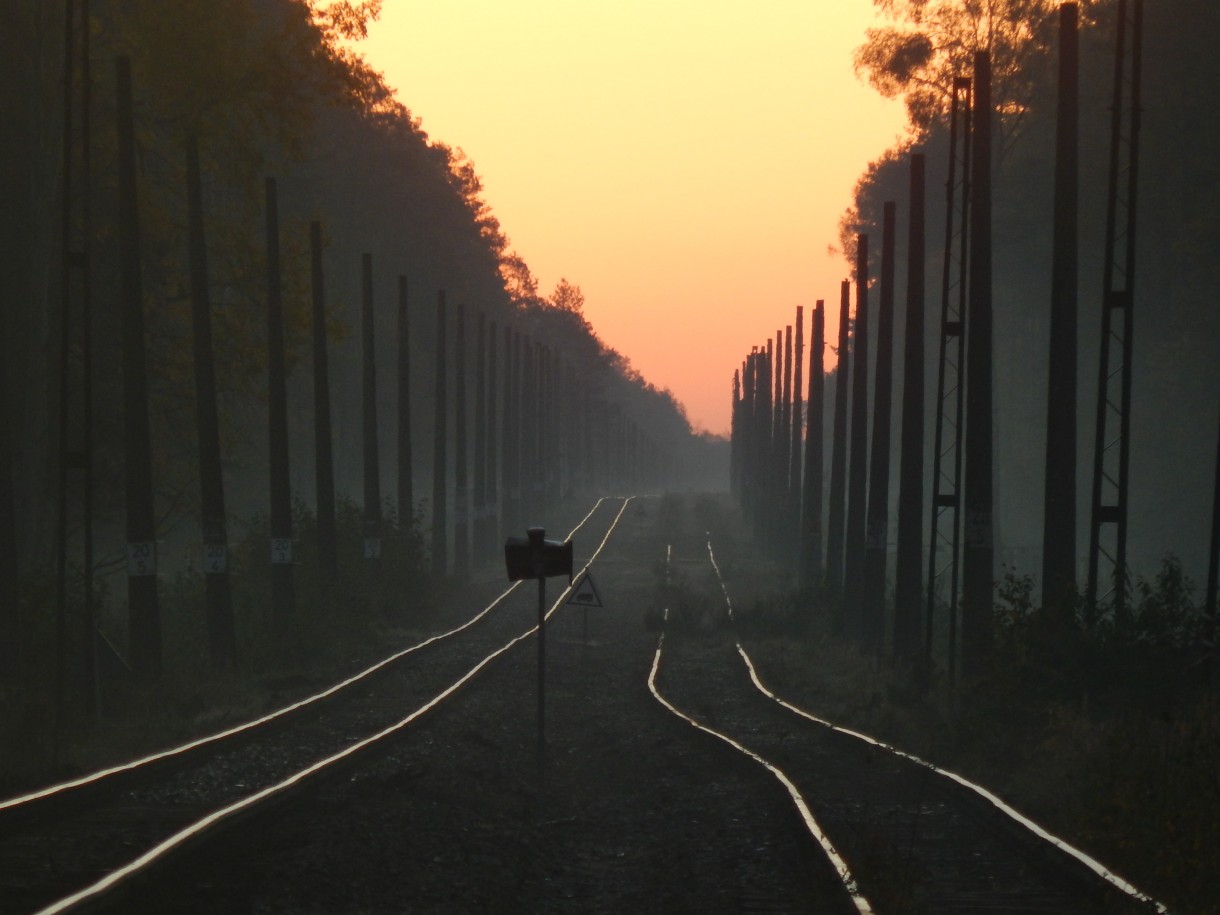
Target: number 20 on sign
point(142, 559)
point(214, 559)
point(281, 550)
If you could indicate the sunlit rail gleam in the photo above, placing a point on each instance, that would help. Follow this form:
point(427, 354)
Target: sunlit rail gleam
point(1091, 863)
point(811, 824)
point(95, 777)
point(200, 826)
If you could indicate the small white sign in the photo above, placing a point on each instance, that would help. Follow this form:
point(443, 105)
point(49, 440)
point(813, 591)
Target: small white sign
point(142, 559)
point(281, 550)
point(978, 529)
point(372, 548)
point(215, 559)
point(584, 593)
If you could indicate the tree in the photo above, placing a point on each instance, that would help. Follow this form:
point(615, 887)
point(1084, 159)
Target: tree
point(1178, 335)
point(567, 297)
point(519, 281)
point(932, 41)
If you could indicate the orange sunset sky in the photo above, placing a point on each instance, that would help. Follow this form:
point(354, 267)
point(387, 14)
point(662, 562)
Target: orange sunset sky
point(685, 162)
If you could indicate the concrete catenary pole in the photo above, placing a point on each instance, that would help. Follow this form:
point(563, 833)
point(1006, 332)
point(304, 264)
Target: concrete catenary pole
point(493, 440)
point(784, 445)
point(222, 639)
point(324, 460)
point(461, 483)
point(838, 458)
point(797, 429)
point(811, 508)
point(406, 476)
point(482, 546)
point(735, 439)
point(1059, 518)
point(908, 570)
point(779, 448)
point(978, 550)
point(144, 618)
point(765, 478)
point(790, 506)
point(440, 433)
point(10, 627)
point(512, 431)
point(77, 654)
point(1213, 564)
point(528, 467)
point(876, 538)
point(372, 457)
point(511, 483)
point(857, 477)
point(748, 450)
point(283, 593)
point(1210, 607)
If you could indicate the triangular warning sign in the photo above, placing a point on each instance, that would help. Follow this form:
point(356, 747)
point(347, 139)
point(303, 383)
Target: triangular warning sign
point(584, 593)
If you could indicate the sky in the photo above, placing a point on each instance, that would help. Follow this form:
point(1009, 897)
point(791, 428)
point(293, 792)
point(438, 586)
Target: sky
point(684, 162)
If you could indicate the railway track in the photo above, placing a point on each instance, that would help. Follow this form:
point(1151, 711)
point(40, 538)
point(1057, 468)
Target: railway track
point(904, 835)
point(406, 809)
point(81, 842)
point(633, 816)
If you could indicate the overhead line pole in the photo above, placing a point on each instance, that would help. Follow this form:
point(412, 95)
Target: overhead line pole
point(1112, 446)
point(950, 382)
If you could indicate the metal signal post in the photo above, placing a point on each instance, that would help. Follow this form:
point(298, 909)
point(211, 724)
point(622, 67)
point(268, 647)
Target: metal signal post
point(537, 557)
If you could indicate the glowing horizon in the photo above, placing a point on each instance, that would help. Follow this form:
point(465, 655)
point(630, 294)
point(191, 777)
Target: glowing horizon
point(684, 163)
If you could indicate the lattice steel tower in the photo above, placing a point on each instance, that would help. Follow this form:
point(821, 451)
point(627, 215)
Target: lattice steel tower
point(1108, 523)
point(950, 382)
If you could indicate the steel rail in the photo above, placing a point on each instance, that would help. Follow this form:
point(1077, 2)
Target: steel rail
point(111, 881)
point(863, 907)
point(94, 778)
point(995, 801)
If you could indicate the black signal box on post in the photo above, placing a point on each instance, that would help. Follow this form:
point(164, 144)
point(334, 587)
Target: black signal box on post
point(536, 557)
point(540, 559)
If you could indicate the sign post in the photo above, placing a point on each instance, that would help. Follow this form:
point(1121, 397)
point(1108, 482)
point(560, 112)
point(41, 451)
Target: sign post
point(537, 557)
point(584, 595)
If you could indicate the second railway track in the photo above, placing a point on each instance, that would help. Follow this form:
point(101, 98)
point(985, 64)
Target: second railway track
point(914, 839)
point(638, 811)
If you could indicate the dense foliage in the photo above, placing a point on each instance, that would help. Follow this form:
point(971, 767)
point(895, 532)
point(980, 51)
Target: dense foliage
point(1177, 332)
point(267, 88)
point(1100, 723)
